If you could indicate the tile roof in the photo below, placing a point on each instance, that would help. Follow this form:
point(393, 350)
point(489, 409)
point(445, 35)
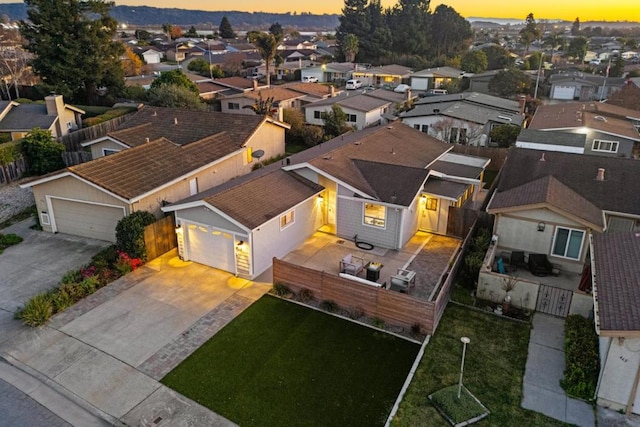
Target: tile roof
point(550, 191)
point(439, 72)
point(618, 192)
point(617, 290)
point(26, 117)
point(136, 171)
point(269, 195)
point(444, 188)
point(387, 95)
point(310, 89)
point(211, 87)
point(235, 82)
point(469, 112)
point(192, 125)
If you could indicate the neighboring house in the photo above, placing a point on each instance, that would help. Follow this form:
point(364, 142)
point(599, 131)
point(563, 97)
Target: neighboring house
point(152, 56)
point(332, 72)
point(609, 130)
point(547, 204)
point(583, 87)
point(383, 184)
point(433, 78)
point(313, 92)
point(466, 118)
point(295, 55)
point(239, 84)
point(166, 155)
point(177, 53)
point(279, 97)
point(362, 110)
point(480, 82)
point(391, 75)
point(54, 115)
point(616, 295)
point(565, 142)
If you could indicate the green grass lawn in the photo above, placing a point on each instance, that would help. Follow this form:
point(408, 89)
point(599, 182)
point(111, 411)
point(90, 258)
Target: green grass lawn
point(280, 364)
point(494, 368)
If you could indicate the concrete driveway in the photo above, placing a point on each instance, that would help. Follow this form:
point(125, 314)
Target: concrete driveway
point(111, 349)
point(36, 265)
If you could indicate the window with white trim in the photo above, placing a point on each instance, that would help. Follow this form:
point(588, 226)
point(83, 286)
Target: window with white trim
point(287, 219)
point(317, 114)
point(234, 106)
point(425, 128)
point(605, 146)
point(375, 215)
point(352, 118)
point(567, 242)
point(109, 151)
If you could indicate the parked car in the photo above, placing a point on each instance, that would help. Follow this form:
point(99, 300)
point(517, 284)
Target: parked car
point(353, 84)
point(402, 88)
point(434, 92)
point(256, 76)
point(310, 79)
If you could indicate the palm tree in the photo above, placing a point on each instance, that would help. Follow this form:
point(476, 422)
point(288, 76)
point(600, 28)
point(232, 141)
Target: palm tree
point(350, 47)
point(267, 45)
point(554, 40)
point(261, 106)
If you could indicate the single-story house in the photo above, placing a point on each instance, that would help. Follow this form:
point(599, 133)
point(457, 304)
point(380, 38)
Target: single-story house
point(55, 116)
point(332, 72)
point(610, 130)
point(342, 186)
point(583, 87)
point(391, 75)
point(152, 56)
point(433, 78)
point(159, 156)
point(616, 295)
point(280, 97)
point(362, 110)
point(466, 118)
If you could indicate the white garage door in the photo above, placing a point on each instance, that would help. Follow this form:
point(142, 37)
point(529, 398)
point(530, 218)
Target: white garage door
point(211, 247)
point(86, 219)
point(563, 92)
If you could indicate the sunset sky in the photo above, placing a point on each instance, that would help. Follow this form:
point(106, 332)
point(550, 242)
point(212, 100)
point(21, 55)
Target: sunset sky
point(586, 10)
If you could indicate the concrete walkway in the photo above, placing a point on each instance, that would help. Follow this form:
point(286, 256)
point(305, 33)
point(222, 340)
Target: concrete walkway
point(544, 370)
point(109, 351)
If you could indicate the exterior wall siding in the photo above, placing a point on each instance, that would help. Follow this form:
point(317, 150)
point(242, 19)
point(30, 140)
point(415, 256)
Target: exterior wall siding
point(74, 189)
point(96, 149)
point(625, 146)
point(410, 221)
point(350, 223)
point(618, 373)
point(270, 138)
point(203, 215)
point(472, 128)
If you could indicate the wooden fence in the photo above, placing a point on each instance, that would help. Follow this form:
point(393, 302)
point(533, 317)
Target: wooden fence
point(73, 140)
point(12, 171)
point(393, 307)
point(160, 237)
point(71, 158)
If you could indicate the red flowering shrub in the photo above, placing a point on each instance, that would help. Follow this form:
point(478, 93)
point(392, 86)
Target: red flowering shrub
point(125, 264)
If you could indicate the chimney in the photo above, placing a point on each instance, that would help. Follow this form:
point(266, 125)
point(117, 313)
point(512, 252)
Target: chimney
point(408, 93)
point(255, 84)
point(600, 176)
point(333, 91)
point(175, 121)
point(54, 104)
point(522, 102)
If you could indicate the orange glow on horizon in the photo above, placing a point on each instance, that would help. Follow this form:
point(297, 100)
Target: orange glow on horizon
point(588, 10)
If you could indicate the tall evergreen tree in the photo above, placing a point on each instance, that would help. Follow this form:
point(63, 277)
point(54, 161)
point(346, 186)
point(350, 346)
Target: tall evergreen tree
point(530, 33)
point(225, 30)
point(575, 27)
point(74, 47)
point(376, 46)
point(354, 21)
point(451, 33)
point(410, 25)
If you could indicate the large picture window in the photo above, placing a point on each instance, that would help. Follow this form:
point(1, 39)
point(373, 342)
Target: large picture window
point(375, 215)
point(606, 146)
point(567, 243)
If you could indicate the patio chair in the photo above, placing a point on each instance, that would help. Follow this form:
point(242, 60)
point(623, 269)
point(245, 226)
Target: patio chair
point(539, 265)
point(351, 264)
point(404, 279)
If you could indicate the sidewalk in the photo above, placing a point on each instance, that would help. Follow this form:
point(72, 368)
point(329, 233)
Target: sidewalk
point(544, 370)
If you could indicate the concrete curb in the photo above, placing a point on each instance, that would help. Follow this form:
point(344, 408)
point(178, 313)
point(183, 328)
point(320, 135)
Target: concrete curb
point(56, 398)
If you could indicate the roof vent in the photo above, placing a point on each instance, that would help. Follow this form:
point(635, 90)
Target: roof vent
point(600, 118)
point(175, 121)
point(357, 143)
point(155, 113)
point(505, 118)
point(327, 157)
point(600, 175)
point(146, 139)
point(542, 159)
point(389, 127)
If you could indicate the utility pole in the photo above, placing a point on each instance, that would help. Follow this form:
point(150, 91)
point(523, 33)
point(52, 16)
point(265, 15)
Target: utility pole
point(535, 93)
point(606, 76)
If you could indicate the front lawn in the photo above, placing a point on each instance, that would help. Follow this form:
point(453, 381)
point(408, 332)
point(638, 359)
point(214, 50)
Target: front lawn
point(494, 369)
point(280, 364)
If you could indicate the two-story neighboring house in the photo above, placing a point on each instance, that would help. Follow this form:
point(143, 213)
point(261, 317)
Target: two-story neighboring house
point(55, 116)
point(465, 118)
point(609, 130)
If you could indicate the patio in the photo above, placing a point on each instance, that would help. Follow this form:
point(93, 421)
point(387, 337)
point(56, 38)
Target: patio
point(429, 255)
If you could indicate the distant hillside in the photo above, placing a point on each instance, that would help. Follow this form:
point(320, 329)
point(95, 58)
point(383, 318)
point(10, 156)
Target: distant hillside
point(154, 16)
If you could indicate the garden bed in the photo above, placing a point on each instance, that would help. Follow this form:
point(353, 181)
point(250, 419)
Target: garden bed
point(459, 412)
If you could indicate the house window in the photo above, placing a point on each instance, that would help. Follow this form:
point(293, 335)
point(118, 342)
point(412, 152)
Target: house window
point(425, 128)
point(286, 220)
point(605, 146)
point(108, 151)
point(432, 204)
point(351, 118)
point(234, 106)
point(375, 215)
point(453, 136)
point(463, 136)
point(317, 114)
point(567, 243)
point(416, 127)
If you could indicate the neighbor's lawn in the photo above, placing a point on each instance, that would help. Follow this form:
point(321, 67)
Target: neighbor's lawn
point(280, 364)
point(494, 368)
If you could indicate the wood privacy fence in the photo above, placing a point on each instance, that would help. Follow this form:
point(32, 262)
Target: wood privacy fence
point(73, 140)
point(12, 171)
point(71, 158)
point(393, 307)
point(160, 237)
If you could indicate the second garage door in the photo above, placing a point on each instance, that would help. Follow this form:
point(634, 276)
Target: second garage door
point(563, 92)
point(86, 219)
point(211, 247)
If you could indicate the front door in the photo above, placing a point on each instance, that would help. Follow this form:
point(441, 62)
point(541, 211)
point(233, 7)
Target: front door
point(429, 214)
point(331, 207)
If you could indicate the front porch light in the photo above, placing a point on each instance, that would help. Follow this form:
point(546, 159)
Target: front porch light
point(541, 226)
point(240, 243)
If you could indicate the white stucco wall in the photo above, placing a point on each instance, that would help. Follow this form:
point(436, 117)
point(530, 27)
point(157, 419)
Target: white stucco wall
point(618, 372)
point(474, 130)
point(524, 294)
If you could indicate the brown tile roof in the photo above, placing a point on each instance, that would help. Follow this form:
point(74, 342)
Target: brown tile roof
point(618, 191)
point(236, 82)
point(208, 87)
point(268, 195)
point(550, 191)
point(136, 171)
point(277, 93)
point(192, 125)
point(311, 89)
point(395, 145)
point(617, 268)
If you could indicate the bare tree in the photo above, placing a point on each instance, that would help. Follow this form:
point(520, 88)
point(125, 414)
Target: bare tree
point(14, 63)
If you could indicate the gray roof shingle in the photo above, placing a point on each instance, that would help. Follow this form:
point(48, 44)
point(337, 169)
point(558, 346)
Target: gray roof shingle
point(26, 117)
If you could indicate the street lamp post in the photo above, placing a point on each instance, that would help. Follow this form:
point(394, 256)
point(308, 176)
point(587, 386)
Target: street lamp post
point(465, 341)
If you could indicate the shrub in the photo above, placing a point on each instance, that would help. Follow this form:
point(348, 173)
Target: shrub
point(130, 233)
point(356, 313)
point(71, 276)
point(42, 151)
point(108, 115)
point(105, 257)
point(416, 329)
point(37, 310)
point(281, 289)
point(125, 264)
point(329, 305)
point(378, 322)
point(582, 358)
point(305, 295)
point(61, 299)
point(89, 285)
point(7, 240)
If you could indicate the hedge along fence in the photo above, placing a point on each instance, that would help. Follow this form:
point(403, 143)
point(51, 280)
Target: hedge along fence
point(582, 357)
point(12, 163)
